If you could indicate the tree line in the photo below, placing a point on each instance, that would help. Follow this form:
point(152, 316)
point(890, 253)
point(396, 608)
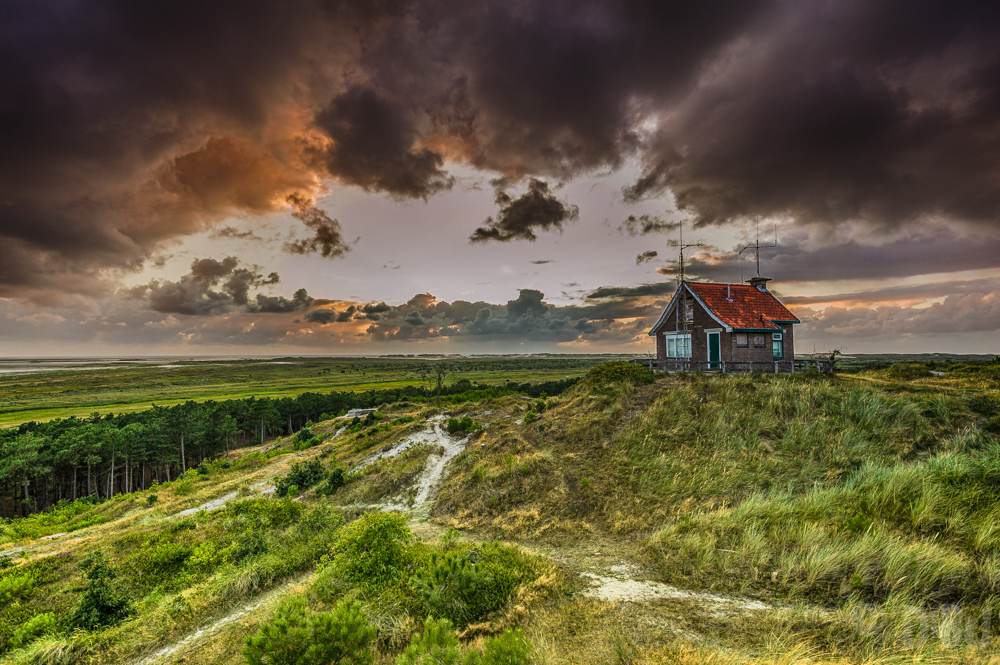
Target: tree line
point(95, 458)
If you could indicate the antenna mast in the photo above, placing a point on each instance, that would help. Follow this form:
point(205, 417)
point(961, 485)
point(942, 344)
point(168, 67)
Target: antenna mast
point(756, 245)
point(679, 244)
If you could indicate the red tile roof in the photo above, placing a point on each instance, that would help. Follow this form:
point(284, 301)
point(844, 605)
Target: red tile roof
point(749, 307)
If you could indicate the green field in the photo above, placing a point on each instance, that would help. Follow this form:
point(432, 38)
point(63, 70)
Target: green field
point(52, 394)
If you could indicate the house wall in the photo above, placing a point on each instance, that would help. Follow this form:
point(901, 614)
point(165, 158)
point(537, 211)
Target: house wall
point(699, 340)
point(762, 353)
point(789, 340)
point(751, 352)
point(661, 346)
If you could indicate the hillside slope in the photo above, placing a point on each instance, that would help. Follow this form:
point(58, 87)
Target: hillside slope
point(640, 518)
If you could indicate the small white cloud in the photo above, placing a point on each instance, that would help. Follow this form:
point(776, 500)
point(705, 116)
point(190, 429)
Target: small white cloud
point(40, 318)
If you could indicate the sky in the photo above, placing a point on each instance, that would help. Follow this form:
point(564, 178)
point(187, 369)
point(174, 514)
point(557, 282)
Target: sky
point(444, 176)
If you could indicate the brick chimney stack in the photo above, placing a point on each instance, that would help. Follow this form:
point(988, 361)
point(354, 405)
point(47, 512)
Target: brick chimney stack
point(759, 282)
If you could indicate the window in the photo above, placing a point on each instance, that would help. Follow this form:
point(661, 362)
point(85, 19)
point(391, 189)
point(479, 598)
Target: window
point(678, 345)
point(758, 340)
point(777, 348)
point(689, 313)
point(741, 339)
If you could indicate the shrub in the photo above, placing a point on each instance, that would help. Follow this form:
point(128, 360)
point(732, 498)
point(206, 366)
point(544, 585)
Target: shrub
point(450, 588)
point(334, 481)
point(463, 424)
point(152, 499)
point(102, 603)
point(619, 371)
point(302, 474)
point(15, 587)
point(297, 636)
point(501, 570)
point(374, 549)
point(202, 469)
point(33, 628)
point(205, 557)
point(13, 616)
point(530, 417)
point(436, 644)
point(249, 544)
point(402, 420)
point(304, 434)
point(510, 648)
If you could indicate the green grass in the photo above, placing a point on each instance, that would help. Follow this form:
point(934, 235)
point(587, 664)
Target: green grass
point(59, 394)
point(864, 508)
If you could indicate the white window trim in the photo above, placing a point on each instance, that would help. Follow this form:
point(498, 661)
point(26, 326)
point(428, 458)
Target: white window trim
point(677, 335)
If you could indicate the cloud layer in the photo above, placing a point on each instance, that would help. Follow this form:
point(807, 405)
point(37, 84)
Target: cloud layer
point(128, 126)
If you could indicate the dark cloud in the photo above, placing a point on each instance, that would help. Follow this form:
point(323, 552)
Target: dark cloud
point(542, 262)
point(212, 287)
point(646, 256)
point(518, 218)
point(802, 257)
point(232, 232)
point(884, 112)
point(374, 146)
point(328, 240)
point(645, 224)
point(527, 317)
point(300, 300)
point(128, 126)
point(321, 316)
point(618, 292)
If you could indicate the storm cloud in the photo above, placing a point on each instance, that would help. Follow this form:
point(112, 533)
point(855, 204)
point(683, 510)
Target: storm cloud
point(212, 287)
point(131, 126)
point(519, 217)
point(327, 241)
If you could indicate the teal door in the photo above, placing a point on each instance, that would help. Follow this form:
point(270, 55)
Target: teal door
point(714, 354)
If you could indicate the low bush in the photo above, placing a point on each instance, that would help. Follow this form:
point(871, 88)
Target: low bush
point(15, 587)
point(530, 417)
point(302, 474)
point(464, 424)
point(103, 603)
point(334, 481)
point(509, 648)
point(450, 587)
point(437, 644)
point(13, 617)
point(297, 636)
point(33, 628)
point(373, 550)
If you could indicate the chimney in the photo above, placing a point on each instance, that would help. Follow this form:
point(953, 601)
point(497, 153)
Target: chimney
point(759, 282)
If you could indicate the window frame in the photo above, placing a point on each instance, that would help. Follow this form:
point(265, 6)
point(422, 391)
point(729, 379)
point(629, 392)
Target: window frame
point(672, 339)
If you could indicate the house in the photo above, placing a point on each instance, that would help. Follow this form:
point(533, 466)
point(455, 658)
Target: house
point(715, 326)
